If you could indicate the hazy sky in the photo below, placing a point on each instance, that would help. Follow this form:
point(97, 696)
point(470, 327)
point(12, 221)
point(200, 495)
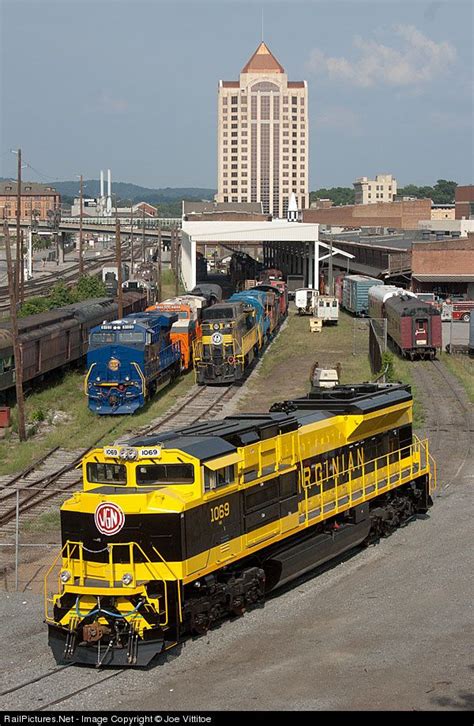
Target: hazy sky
point(132, 85)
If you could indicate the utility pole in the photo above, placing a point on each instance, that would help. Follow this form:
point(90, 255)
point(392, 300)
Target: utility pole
point(19, 254)
point(176, 261)
point(56, 236)
point(132, 261)
point(17, 351)
point(81, 239)
point(143, 235)
point(22, 270)
point(331, 276)
point(158, 263)
point(118, 260)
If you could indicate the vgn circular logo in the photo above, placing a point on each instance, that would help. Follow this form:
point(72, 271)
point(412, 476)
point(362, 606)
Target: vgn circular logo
point(216, 338)
point(109, 518)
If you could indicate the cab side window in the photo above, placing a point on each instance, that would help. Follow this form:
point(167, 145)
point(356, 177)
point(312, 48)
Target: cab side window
point(218, 478)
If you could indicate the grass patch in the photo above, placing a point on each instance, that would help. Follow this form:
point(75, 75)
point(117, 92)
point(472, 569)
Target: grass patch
point(461, 366)
point(82, 428)
point(285, 369)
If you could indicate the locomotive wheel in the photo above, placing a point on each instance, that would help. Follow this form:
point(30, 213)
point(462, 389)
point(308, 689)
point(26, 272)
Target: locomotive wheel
point(238, 606)
point(200, 623)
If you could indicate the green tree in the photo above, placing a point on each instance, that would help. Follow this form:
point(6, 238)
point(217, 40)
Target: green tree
point(41, 243)
point(388, 366)
point(89, 286)
point(60, 295)
point(444, 191)
point(34, 305)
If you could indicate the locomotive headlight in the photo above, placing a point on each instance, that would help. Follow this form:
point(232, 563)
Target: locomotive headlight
point(98, 378)
point(127, 578)
point(65, 576)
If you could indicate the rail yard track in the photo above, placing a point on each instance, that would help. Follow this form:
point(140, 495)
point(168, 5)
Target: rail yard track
point(449, 418)
point(59, 686)
point(42, 285)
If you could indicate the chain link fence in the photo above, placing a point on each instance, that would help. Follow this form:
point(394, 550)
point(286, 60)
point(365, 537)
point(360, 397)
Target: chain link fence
point(29, 536)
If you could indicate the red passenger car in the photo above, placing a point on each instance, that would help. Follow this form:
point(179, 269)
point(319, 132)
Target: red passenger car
point(413, 326)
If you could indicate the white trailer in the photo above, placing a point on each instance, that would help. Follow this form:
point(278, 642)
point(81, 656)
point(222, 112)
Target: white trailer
point(326, 309)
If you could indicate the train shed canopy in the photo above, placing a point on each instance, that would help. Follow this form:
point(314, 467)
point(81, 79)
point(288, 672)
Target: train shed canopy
point(297, 239)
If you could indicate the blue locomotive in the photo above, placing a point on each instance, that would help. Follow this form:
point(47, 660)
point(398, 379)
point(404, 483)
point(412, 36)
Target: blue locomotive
point(129, 360)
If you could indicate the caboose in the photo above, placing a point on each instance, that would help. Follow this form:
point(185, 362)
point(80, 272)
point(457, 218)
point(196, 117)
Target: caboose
point(129, 360)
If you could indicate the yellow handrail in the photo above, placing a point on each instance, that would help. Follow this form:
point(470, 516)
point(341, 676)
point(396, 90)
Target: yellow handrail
point(142, 377)
point(67, 553)
point(374, 481)
point(86, 379)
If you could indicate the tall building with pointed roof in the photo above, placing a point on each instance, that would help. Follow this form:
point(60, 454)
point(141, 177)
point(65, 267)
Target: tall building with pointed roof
point(262, 136)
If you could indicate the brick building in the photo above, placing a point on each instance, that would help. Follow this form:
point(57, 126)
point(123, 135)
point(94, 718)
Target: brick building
point(464, 202)
point(445, 266)
point(33, 197)
point(395, 215)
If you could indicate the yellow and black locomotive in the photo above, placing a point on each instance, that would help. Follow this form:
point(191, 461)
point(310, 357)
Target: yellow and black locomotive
point(172, 533)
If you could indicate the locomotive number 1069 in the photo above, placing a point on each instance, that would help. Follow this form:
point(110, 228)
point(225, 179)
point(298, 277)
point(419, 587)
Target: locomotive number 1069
point(219, 512)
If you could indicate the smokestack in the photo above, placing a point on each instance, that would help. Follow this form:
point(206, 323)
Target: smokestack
point(101, 184)
point(109, 193)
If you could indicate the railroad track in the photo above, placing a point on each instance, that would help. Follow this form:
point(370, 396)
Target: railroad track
point(49, 479)
point(59, 686)
point(202, 403)
point(42, 285)
point(449, 419)
point(50, 476)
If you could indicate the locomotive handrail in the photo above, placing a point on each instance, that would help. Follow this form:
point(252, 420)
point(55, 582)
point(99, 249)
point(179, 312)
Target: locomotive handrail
point(86, 379)
point(385, 468)
point(67, 553)
point(142, 377)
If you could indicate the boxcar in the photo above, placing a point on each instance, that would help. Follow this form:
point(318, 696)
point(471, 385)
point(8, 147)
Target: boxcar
point(413, 326)
point(355, 293)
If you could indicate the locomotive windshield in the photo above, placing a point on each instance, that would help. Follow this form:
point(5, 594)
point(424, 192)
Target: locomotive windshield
point(102, 338)
point(131, 337)
point(218, 313)
point(148, 474)
point(115, 474)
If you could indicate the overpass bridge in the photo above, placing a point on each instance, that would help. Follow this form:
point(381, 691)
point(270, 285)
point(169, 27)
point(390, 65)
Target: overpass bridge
point(106, 225)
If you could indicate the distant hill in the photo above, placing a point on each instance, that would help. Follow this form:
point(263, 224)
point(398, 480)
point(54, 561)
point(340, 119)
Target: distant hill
point(134, 192)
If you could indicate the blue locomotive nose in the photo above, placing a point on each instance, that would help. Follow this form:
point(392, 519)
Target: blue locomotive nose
point(127, 360)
